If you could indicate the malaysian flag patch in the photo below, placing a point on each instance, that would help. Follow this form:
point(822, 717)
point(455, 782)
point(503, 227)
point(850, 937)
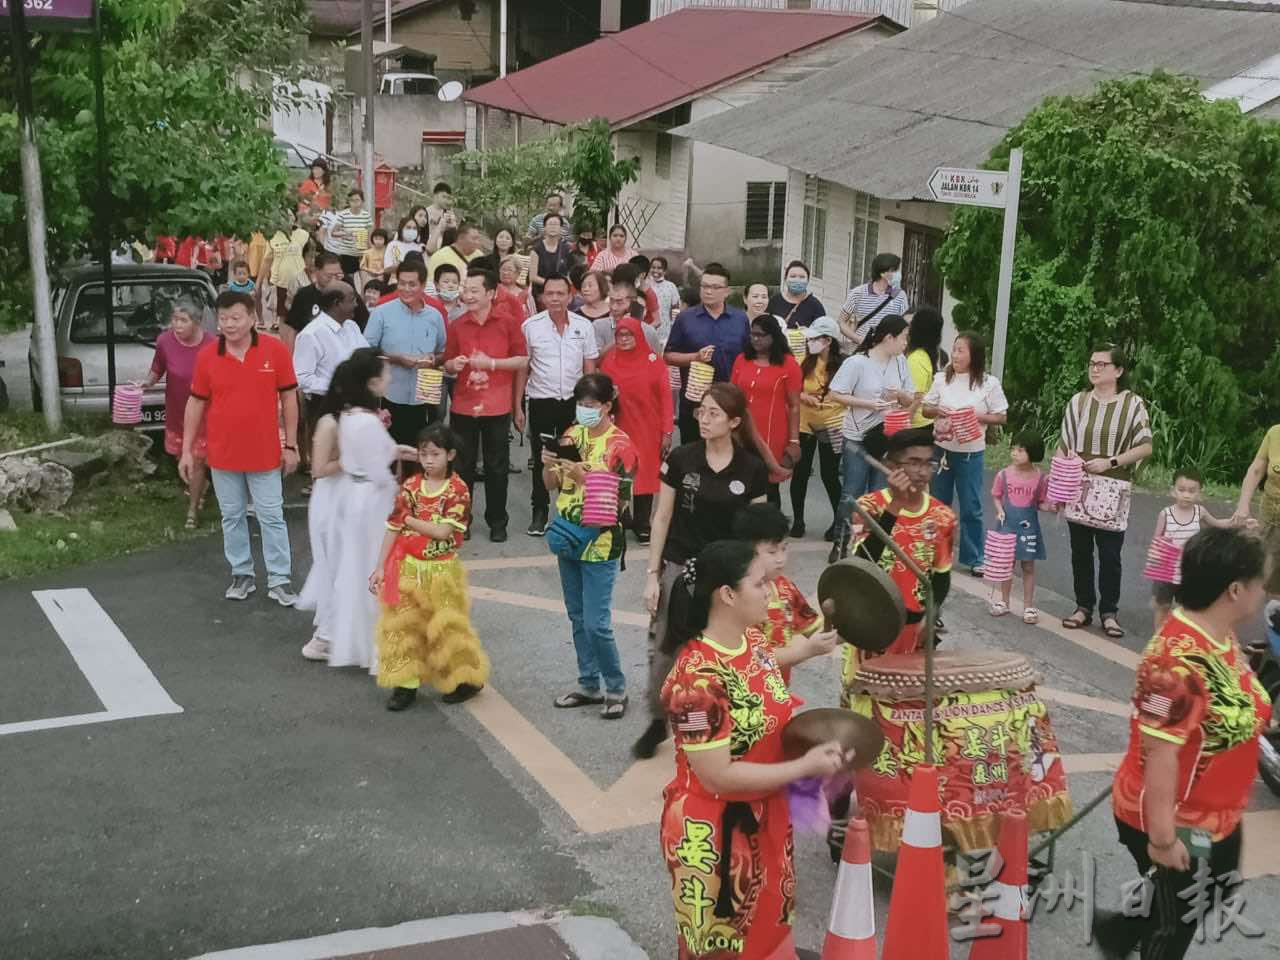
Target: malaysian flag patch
point(694, 721)
point(1156, 705)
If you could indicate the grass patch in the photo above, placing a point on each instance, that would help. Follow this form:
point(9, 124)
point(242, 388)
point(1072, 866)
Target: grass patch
point(113, 514)
point(586, 907)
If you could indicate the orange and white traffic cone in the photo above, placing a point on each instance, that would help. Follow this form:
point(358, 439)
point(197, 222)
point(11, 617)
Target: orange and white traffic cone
point(1009, 907)
point(917, 924)
point(851, 932)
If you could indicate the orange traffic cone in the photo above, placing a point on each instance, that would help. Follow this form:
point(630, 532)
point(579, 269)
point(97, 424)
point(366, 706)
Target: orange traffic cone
point(917, 924)
point(1009, 909)
point(851, 932)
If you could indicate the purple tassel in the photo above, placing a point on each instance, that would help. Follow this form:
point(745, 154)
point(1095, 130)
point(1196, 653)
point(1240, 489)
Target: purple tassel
point(808, 802)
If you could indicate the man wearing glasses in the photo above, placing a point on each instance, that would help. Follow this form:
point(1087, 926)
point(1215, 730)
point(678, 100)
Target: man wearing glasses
point(924, 527)
point(712, 332)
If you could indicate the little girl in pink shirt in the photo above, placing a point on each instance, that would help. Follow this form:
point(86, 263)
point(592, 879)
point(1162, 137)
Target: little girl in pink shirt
point(1019, 493)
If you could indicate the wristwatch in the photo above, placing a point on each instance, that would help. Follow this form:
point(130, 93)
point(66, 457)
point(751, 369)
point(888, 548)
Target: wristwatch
point(289, 446)
point(1115, 462)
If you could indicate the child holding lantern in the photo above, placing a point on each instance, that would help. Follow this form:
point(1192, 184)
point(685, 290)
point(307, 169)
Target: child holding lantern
point(1020, 491)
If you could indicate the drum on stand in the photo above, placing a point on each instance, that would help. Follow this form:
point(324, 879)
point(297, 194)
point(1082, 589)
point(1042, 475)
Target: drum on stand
point(993, 743)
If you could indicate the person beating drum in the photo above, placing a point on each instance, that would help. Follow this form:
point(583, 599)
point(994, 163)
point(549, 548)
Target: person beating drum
point(925, 529)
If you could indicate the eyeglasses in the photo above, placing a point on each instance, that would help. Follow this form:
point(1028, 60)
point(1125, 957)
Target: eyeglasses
point(914, 464)
point(1100, 364)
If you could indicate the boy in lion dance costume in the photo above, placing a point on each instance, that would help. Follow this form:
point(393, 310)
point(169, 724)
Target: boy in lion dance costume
point(424, 633)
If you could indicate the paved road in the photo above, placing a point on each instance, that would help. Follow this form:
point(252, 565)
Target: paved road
point(283, 802)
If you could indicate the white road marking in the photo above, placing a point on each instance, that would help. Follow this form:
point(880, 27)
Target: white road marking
point(119, 677)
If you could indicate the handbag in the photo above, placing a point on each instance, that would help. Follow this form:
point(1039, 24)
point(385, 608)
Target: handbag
point(1103, 504)
point(567, 539)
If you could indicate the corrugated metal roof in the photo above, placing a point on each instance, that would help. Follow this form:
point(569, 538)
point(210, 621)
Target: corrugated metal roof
point(947, 91)
point(636, 73)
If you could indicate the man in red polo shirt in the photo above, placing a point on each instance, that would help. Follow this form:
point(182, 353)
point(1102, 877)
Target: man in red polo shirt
point(485, 350)
point(242, 382)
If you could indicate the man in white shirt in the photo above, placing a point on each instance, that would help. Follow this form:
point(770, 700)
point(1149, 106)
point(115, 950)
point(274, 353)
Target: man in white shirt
point(330, 337)
point(562, 349)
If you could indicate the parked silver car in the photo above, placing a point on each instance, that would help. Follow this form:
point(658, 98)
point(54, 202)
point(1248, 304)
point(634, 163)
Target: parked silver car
point(143, 296)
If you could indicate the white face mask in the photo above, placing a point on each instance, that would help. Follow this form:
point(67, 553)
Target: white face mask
point(895, 279)
point(410, 234)
point(818, 344)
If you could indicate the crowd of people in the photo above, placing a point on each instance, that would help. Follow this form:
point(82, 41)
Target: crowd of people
point(407, 364)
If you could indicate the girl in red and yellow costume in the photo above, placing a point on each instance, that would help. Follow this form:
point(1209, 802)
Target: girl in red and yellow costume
point(726, 826)
point(425, 632)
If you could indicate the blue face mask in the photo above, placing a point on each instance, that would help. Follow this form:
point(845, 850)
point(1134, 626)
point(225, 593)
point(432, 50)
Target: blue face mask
point(797, 286)
point(588, 416)
point(895, 279)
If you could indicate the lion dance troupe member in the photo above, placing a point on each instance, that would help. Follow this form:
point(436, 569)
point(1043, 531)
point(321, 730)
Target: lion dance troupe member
point(425, 630)
point(925, 529)
point(726, 824)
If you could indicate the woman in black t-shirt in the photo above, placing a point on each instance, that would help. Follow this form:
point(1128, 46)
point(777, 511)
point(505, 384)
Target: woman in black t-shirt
point(703, 485)
point(794, 305)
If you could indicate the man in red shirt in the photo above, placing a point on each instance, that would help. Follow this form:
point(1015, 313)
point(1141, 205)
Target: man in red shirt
point(243, 382)
point(485, 350)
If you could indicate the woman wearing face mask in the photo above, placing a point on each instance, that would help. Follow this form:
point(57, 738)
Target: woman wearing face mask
point(589, 565)
point(822, 361)
point(646, 415)
point(728, 704)
point(794, 303)
point(880, 297)
point(406, 241)
point(871, 382)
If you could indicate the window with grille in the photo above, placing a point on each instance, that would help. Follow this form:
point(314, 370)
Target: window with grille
point(813, 227)
point(662, 160)
point(766, 207)
point(865, 238)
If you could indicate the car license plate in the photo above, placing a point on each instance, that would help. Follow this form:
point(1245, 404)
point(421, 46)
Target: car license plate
point(153, 416)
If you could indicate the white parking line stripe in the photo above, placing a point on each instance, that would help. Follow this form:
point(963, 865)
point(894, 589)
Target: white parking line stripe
point(119, 677)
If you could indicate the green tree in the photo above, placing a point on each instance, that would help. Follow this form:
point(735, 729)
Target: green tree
point(190, 86)
point(597, 177)
point(1148, 218)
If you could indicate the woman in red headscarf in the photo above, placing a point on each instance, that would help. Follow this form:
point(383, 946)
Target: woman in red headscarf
point(645, 413)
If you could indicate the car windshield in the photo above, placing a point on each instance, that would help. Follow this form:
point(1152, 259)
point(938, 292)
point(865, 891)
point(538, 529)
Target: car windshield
point(141, 309)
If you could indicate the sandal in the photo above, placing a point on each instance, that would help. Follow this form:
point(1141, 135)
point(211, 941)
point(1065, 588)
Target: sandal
point(1081, 618)
point(1031, 615)
point(615, 708)
point(1111, 627)
point(191, 520)
point(577, 698)
point(999, 608)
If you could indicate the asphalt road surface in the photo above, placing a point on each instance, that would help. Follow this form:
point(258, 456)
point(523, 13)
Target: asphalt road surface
point(283, 801)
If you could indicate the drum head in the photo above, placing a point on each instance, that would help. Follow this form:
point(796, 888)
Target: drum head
point(868, 608)
point(900, 676)
point(860, 734)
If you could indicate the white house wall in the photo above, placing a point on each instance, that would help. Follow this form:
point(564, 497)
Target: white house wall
point(662, 200)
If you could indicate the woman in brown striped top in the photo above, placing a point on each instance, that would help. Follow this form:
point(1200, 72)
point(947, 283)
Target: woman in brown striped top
point(1109, 429)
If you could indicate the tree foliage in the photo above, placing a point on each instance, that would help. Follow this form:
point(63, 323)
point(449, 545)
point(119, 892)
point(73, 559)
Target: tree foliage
point(509, 185)
point(188, 88)
point(1148, 218)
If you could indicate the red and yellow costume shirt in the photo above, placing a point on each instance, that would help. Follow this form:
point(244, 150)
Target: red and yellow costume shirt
point(448, 504)
point(1199, 693)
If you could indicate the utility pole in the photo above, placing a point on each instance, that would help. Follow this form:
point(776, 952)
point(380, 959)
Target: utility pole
point(386, 22)
point(33, 199)
point(104, 204)
point(502, 38)
point(370, 92)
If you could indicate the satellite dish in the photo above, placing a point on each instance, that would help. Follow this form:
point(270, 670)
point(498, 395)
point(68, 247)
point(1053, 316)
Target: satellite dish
point(450, 91)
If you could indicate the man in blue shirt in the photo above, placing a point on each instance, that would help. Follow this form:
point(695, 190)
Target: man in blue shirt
point(410, 334)
point(713, 332)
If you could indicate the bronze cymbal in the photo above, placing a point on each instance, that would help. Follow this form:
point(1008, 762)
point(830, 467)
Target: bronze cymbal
point(812, 727)
point(866, 606)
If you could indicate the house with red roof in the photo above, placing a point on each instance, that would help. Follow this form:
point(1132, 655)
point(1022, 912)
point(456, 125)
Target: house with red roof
point(696, 62)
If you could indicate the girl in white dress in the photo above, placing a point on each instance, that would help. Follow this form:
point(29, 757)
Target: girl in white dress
point(362, 501)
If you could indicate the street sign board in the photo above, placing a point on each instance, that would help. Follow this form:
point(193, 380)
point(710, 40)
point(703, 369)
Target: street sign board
point(982, 188)
point(48, 15)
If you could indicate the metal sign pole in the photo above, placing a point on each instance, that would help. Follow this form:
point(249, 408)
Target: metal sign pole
point(1006, 262)
point(104, 204)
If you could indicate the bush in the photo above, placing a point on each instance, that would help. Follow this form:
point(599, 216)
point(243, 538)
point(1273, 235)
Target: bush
point(1146, 219)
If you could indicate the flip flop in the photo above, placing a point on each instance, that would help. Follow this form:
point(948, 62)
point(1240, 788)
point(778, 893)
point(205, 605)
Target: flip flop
point(1111, 627)
point(615, 708)
point(577, 698)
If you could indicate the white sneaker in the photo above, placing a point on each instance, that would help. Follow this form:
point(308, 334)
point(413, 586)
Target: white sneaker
point(317, 648)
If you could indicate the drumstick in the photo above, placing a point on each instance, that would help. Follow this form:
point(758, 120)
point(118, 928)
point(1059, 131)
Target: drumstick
point(875, 464)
